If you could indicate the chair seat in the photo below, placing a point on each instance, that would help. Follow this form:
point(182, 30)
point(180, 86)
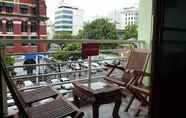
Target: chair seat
point(55, 109)
point(38, 94)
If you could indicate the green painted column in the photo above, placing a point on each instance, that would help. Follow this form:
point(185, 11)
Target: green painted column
point(3, 88)
point(145, 22)
point(145, 30)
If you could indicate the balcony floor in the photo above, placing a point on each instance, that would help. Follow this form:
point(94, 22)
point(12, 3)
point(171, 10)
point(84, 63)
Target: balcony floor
point(105, 111)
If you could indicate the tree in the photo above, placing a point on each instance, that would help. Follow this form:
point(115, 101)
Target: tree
point(62, 35)
point(99, 29)
point(131, 32)
point(72, 47)
point(9, 60)
point(61, 55)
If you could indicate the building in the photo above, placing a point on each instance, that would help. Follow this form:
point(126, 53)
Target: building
point(129, 16)
point(68, 19)
point(126, 16)
point(115, 17)
point(23, 19)
point(50, 29)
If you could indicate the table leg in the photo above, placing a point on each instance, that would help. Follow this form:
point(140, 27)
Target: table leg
point(76, 99)
point(116, 108)
point(95, 108)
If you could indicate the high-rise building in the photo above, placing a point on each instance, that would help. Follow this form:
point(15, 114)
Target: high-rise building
point(68, 19)
point(23, 19)
point(126, 16)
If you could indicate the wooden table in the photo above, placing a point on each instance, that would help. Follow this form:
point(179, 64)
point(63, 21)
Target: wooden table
point(99, 93)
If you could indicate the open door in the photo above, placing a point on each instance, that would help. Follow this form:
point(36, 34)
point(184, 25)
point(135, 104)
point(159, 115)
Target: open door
point(169, 59)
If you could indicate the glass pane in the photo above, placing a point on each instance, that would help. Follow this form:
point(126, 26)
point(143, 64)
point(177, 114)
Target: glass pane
point(175, 13)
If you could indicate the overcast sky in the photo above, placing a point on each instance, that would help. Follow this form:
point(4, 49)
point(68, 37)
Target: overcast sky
point(91, 8)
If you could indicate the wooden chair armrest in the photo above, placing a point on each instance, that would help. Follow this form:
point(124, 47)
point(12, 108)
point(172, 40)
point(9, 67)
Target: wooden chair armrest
point(115, 66)
point(139, 90)
point(131, 71)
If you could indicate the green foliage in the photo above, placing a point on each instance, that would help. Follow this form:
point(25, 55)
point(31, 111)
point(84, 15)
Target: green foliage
point(63, 35)
point(131, 32)
point(61, 55)
point(99, 29)
point(9, 60)
point(72, 47)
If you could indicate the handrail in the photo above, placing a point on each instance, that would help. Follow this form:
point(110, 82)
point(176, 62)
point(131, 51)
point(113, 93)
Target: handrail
point(58, 41)
point(73, 52)
point(64, 62)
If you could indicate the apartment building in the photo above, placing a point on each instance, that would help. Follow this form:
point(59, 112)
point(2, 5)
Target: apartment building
point(130, 16)
point(23, 19)
point(123, 17)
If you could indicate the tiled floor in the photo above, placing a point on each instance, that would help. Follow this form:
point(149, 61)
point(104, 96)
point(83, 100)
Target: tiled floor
point(105, 111)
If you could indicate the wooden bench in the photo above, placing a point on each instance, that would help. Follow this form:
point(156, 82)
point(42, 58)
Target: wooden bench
point(58, 108)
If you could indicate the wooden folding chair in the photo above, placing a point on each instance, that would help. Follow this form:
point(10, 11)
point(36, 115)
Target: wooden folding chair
point(133, 72)
point(58, 108)
point(142, 94)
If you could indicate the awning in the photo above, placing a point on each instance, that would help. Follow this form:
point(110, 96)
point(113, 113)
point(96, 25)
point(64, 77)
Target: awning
point(9, 4)
point(24, 6)
point(30, 57)
point(1, 4)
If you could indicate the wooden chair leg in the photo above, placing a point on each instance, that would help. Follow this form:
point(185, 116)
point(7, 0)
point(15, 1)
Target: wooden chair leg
point(138, 112)
point(140, 109)
point(78, 115)
point(129, 104)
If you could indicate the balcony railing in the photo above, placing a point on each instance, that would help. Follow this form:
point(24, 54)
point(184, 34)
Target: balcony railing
point(58, 72)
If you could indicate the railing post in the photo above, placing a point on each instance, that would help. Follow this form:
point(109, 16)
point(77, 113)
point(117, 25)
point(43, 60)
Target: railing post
point(3, 88)
point(89, 71)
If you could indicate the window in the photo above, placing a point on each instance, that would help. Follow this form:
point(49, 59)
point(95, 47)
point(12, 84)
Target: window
point(34, 11)
point(24, 43)
point(24, 26)
point(10, 43)
point(65, 27)
point(24, 9)
point(34, 39)
point(64, 16)
point(63, 21)
point(9, 7)
point(1, 26)
point(1, 6)
point(65, 7)
point(9, 26)
point(67, 11)
point(33, 26)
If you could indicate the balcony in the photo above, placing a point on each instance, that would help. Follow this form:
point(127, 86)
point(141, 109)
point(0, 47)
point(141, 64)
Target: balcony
point(60, 75)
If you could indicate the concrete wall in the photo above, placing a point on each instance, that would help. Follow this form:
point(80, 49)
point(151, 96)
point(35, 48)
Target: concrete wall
point(145, 22)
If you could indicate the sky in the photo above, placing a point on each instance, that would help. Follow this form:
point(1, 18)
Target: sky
point(91, 8)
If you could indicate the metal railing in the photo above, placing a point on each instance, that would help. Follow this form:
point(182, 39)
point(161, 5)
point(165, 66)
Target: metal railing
point(3, 43)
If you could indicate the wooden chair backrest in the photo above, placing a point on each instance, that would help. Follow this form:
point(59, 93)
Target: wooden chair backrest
point(12, 88)
point(138, 60)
